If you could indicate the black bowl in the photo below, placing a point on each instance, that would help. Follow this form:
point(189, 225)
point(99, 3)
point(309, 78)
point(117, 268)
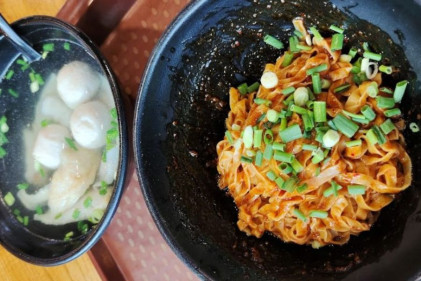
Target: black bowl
point(180, 115)
point(41, 244)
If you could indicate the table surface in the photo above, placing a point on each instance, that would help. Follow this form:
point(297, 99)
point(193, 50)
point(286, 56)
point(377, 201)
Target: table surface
point(12, 268)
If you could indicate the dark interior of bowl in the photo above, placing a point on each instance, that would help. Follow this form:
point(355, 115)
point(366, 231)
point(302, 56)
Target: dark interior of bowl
point(181, 116)
point(39, 243)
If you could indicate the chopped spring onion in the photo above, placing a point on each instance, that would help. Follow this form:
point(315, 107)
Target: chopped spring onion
point(372, 56)
point(309, 147)
point(318, 156)
point(243, 88)
point(250, 153)
point(353, 52)
point(272, 115)
point(278, 146)
point(49, 47)
point(293, 42)
point(341, 88)
point(318, 214)
point(9, 74)
point(302, 188)
point(257, 138)
point(283, 124)
point(267, 154)
point(288, 57)
point(316, 33)
point(283, 156)
point(337, 42)
point(300, 215)
point(366, 47)
point(39, 210)
point(336, 29)
point(298, 34)
point(400, 90)
point(383, 102)
point(260, 101)
point(373, 89)
point(82, 227)
point(76, 214)
point(316, 69)
point(272, 41)
point(317, 83)
point(268, 136)
point(319, 111)
point(9, 199)
point(361, 120)
point(68, 236)
point(279, 182)
point(353, 115)
point(66, 46)
point(303, 47)
point(392, 112)
point(253, 87)
point(298, 109)
point(229, 137)
point(286, 168)
point(335, 187)
point(271, 175)
point(308, 122)
point(345, 58)
point(71, 143)
point(331, 138)
point(103, 189)
point(368, 112)
point(353, 143)
point(22, 186)
point(325, 84)
point(25, 220)
point(258, 159)
point(372, 137)
point(236, 127)
point(301, 96)
point(414, 127)
point(385, 69)
point(4, 128)
point(331, 125)
point(379, 134)
point(13, 93)
point(269, 80)
point(248, 137)
point(356, 189)
point(345, 126)
point(386, 90)
point(260, 119)
point(387, 126)
point(296, 165)
point(34, 87)
point(88, 202)
point(288, 90)
point(291, 133)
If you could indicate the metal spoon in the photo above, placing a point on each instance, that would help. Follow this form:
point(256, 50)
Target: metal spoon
point(27, 51)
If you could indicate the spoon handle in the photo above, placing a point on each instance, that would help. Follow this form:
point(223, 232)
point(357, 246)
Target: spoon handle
point(26, 50)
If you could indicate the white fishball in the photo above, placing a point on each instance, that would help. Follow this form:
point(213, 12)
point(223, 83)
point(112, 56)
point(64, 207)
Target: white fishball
point(89, 124)
point(77, 83)
point(49, 144)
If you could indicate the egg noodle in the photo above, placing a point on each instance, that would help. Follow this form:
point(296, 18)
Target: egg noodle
point(326, 163)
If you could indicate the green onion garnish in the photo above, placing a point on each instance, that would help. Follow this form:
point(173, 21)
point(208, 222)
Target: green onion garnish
point(272, 115)
point(71, 143)
point(267, 154)
point(286, 168)
point(288, 57)
point(25, 220)
point(379, 134)
point(316, 33)
point(309, 147)
point(368, 112)
point(22, 186)
point(283, 124)
point(298, 109)
point(318, 156)
point(372, 137)
point(345, 126)
point(260, 119)
point(303, 47)
point(258, 159)
point(298, 34)
point(229, 137)
point(49, 47)
point(392, 112)
point(331, 138)
point(236, 127)
point(341, 88)
point(387, 126)
point(268, 136)
point(356, 189)
point(383, 102)
point(3, 152)
point(414, 127)
point(325, 84)
point(272, 41)
point(253, 87)
point(243, 88)
point(290, 184)
point(353, 115)
point(296, 165)
point(291, 133)
point(308, 122)
point(76, 214)
point(278, 146)
point(302, 188)
point(9, 199)
point(248, 136)
point(39, 210)
point(300, 215)
point(318, 214)
point(9, 74)
point(336, 29)
point(66, 46)
point(88, 202)
point(271, 175)
point(400, 90)
point(317, 84)
point(316, 69)
point(353, 143)
point(386, 90)
point(372, 56)
point(337, 42)
point(353, 52)
point(13, 93)
point(293, 42)
point(82, 227)
point(301, 96)
point(279, 182)
point(39, 79)
point(288, 90)
point(385, 69)
point(283, 156)
point(366, 47)
point(257, 138)
point(246, 159)
point(320, 111)
point(260, 101)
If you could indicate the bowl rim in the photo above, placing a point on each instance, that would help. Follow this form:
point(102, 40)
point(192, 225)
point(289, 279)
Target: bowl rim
point(95, 234)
